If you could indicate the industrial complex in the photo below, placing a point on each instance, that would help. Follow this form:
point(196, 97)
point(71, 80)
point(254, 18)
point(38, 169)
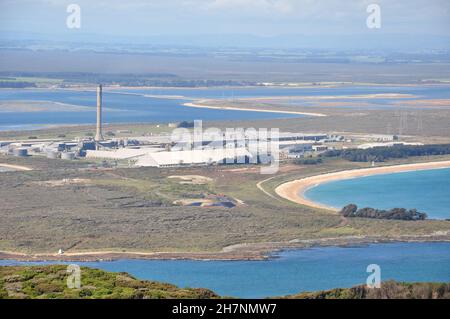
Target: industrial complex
point(184, 149)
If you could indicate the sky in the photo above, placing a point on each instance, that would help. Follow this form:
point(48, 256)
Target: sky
point(264, 18)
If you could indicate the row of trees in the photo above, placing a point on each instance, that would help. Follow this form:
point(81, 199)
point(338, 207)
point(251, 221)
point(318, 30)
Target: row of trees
point(381, 154)
point(124, 79)
point(308, 161)
point(395, 213)
point(16, 84)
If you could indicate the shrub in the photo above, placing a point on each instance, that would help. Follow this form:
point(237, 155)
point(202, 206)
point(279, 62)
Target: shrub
point(308, 161)
point(395, 213)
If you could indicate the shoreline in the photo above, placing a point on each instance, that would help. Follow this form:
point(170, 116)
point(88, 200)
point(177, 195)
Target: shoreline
point(239, 252)
point(294, 191)
point(16, 167)
point(231, 108)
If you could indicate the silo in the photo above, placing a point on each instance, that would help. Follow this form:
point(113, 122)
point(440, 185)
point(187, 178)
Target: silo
point(68, 156)
point(20, 152)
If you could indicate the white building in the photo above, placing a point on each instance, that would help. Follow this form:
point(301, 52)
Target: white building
point(122, 153)
point(194, 157)
point(372, 145)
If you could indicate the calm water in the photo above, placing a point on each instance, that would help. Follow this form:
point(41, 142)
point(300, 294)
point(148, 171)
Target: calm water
point(427, 191)
point(121, 108)
point(248, 92)
point(132, 108)
point(295, 270)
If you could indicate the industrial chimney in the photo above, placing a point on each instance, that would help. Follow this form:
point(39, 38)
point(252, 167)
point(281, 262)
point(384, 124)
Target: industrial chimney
point(98, 135)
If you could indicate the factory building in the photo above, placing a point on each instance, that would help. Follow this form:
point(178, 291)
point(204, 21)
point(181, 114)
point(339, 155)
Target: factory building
point(195, 157)
point(373, 145)
point(121, 153)
point(287, 136)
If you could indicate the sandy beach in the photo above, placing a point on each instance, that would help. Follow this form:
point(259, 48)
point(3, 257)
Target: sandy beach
point(294, 190)
point(250, 109)
point(334, 97)
point(15, 167)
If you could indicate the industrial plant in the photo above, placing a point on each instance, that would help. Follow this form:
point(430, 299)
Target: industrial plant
point(163, 150)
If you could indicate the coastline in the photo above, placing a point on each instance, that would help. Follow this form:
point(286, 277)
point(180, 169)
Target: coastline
point(231, 108)
point(294, 191)
point(239, 252)
point(16, 167)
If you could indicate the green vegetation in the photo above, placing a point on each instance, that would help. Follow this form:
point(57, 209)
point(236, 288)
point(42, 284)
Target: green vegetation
point(395, 213)
point(308, 161)
point(50, 282)
point(19, 82)
point(388, 290)
point(16, 84)
point(123, 79)
point(185, 124)
point(381, 154)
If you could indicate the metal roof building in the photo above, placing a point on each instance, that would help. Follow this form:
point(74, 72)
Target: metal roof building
point(195, 157)
point(122, 153)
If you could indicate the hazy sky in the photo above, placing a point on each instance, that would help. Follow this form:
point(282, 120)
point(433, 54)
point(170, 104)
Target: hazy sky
point(257, 17)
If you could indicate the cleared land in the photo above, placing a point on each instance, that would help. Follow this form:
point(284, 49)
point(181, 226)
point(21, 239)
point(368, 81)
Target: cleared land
point(131, 213)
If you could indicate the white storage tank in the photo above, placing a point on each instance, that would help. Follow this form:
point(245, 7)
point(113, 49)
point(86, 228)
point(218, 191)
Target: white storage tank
point(68, 156)
point(52, 154)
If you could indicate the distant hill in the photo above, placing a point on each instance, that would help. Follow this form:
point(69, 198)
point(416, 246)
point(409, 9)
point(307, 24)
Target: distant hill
point(50, 282)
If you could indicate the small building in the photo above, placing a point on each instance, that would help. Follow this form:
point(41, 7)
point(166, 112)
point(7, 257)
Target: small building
point(20, 152)
point(319, 148)
point(373, 145)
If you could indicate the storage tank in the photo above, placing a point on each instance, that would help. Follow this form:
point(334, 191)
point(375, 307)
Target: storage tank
point(68, 156)
point(52, 154)
point(20, 152)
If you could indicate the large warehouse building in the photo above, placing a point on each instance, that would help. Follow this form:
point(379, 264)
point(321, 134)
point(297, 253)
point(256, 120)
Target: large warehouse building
point(195, 157)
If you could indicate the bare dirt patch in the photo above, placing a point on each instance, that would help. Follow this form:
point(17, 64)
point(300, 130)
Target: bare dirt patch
point(65, 182)
point(192, 179)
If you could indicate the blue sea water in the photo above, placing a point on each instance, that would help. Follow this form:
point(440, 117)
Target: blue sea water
point(427, 191)
point(249, 92)
point(119, 108)
point(123, 107)
point(294, 270)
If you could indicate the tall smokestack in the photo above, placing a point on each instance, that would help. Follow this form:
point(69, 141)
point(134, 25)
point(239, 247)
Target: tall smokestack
point(98, 135)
